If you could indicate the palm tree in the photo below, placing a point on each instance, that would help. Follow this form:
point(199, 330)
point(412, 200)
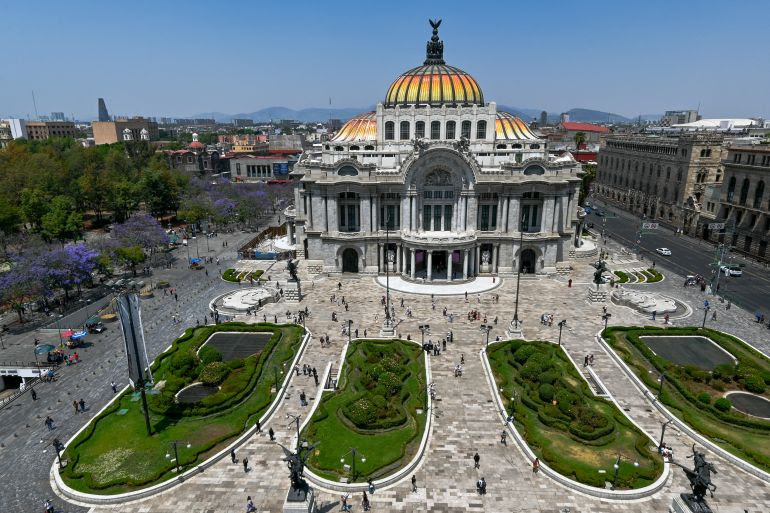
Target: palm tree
point(580, 138)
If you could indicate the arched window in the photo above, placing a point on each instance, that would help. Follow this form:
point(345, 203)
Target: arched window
point(758, 194)
point(668, 173)
point(338, 148)
point(435, 130)
point(534, 170)
point(390, 128)
point(465, 129)
point(501, 146)
point(419, 130)
point(481, 129)
point(534, 146)
point(404, 134)
point(744, 191)
point(731, 189)
point(516, 146)
point(347, 171)
point(369, 147)
point(354, 148)
point(450, 129)
point(679, 175)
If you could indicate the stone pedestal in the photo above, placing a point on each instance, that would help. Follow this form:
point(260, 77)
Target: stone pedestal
point(299, 501)
point(685, 503)
point(598, 294)
point(292, 292)
point(485, 268)
point(388, 329)
point(514, 330)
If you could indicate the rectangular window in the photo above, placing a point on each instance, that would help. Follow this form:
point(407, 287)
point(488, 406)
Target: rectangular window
point(450, 130)
point(494, 217)
point(447, 217)
point(205, 164)
point(465, 129)
point(419, 130)
point(484, 218)
point(435, 130)
point(343, 220)
point(404, 135)
point(427, 194)
point(238, 168)
point(436, 218)
point(426, 217)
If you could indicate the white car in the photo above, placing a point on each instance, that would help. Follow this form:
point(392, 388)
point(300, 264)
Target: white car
point(731, 270)
point(664, 251)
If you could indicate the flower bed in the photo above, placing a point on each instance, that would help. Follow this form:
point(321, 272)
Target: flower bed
point(576, 433)
point(374, 410)
point(696, 396)
point(238, 276)
point(114, 454)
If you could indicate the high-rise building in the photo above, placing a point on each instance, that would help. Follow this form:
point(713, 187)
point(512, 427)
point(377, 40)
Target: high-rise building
point(543, 118)
point(57, 116)
point(103, 114)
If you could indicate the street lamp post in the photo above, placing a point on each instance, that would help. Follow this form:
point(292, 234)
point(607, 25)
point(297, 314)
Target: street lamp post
point(514, 329)
point(662, 380)
point(487, 328)
point(174, 444)
point(562, 323)
point(706, 308)
point(606, 318)
point(350, 326)
point(424, 328)
point(388, 320)
point(353, 453)
point(616, 466)
point(663, 432)
point(295, 420)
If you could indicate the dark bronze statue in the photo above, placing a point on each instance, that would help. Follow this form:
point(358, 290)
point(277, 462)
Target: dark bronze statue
point(601, 268)
point(700, 482)
point(295, 461)
point(291, 266)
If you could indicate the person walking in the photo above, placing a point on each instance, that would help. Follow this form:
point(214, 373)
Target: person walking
point(33, 394)
point(535, 465)
point(48, 423)
point(75, 405)
point(250, 508)
point(414, 483)
point(365, 502)
point(714, 315)
point(114, 387)
point(272, 434)
point(82, 404)
point(232, 456)
point(476, 459)
point(503, 438)
point(245, 464)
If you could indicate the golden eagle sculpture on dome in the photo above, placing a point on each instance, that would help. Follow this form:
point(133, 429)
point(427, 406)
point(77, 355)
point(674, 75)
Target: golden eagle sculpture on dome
point(435, 47)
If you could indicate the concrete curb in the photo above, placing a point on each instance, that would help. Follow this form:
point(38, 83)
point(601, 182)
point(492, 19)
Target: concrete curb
point(743, 465)
point(90, 499)
point(400, 475)
point(592, 491)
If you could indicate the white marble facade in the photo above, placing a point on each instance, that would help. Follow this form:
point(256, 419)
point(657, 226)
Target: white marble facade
point(463, 190)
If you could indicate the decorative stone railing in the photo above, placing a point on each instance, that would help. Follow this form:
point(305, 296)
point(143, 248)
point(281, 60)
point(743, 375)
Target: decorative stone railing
point(435, 238)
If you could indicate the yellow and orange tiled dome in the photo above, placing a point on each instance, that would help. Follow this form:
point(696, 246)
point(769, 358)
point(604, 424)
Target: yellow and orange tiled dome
point(434, 84)
point(362, 127)
point(508, 126)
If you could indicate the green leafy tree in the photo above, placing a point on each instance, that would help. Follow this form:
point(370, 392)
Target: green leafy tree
point(10, 218)
point(131, 256)
point(160, 190)
point(123, 199)
point(589, 175)
point(34, 205)
point(62, 222)
point(94, 190)
point(580, 138)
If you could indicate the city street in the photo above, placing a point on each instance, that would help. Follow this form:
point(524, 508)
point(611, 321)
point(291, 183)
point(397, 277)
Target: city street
point(689, 257)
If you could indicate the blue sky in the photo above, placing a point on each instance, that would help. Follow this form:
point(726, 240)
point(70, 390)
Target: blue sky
point(180, 58)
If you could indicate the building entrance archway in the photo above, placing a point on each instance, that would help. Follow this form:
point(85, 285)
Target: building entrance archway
point(527, 261)
point(350, 261)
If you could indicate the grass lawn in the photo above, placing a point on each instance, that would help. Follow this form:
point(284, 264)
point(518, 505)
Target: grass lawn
point(374, 410)
point(695, 395)
point(653, 275)
point(622, 277)
point(574, 432)
point(115, 455)
point(236, 276)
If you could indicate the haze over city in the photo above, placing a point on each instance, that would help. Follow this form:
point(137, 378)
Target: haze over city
point(174, 59)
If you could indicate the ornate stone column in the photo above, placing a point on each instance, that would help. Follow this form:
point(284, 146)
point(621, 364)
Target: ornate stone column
point(411, 250)
point(476, 260)
point(364, 222)
point(430, 265)
point(465, 264)
point(450, 254)
point(375, 213)
point(331, 203)
point(504, 222)
point(494, 258)
point(514, 214)
point(471, 213)
point(381, 262)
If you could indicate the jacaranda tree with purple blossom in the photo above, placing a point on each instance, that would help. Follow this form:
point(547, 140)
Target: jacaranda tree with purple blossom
point(141, 230)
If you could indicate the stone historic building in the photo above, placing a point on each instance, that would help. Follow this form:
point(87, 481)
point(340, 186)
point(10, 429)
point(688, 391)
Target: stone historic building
point(660, 178)
point(745, 201)
point(437, 183)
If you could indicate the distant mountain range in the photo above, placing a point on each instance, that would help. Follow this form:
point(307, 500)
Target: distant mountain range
point(324, 114)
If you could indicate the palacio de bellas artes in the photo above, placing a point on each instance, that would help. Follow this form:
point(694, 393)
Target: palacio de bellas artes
point(463, 189)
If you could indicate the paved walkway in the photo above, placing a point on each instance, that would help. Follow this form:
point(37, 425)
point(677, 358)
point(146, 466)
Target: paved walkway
point(475, 286)
point(465, 418)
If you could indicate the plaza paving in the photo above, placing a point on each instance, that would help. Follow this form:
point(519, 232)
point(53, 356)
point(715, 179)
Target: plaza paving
point(465, 420)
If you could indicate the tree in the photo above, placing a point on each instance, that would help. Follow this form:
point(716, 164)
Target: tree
point(160, 191)
point(580, 138)
point(123, 199)
point(62, 222)
point(69, 266)
point(94, 190)
point(589, 174)
point(10, 218)
point(140, 230)
point(131, 256)
point(34, 206)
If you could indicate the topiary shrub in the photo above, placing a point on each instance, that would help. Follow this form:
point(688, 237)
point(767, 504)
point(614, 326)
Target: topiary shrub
point(704, 397)
point(546, 392)
point(523, 353)
point(214, 373)
point(362, 412)
point(531, 370)
point(723, 404)
point(208, 354)
point(755, 384)
point(235, 363)
point(547, 377)
point(390, 383)
point(185, 363)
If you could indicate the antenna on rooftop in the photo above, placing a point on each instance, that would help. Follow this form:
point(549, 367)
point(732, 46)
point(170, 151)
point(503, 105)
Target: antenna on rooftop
point(34, 104)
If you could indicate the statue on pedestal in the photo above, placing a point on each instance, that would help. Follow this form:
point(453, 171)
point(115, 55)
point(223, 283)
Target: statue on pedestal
point(295, 461)
point(485, 257)
point(291, 266)
point(601, 268)
point(700, 482)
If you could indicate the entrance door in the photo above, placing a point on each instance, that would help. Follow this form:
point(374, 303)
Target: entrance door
point(528, 259)
point(350, 261)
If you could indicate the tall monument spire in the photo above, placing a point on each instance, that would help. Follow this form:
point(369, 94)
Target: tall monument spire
point(435, 47)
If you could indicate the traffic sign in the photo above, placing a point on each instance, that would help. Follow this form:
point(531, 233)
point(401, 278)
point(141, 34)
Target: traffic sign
point(716, 226)
point(649, 226)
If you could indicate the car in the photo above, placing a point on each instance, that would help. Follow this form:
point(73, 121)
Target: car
point(731, 270)
point(663, 251)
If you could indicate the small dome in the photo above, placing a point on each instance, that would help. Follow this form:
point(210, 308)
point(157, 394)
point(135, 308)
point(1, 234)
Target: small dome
point(362, 127)
point(509, 127)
